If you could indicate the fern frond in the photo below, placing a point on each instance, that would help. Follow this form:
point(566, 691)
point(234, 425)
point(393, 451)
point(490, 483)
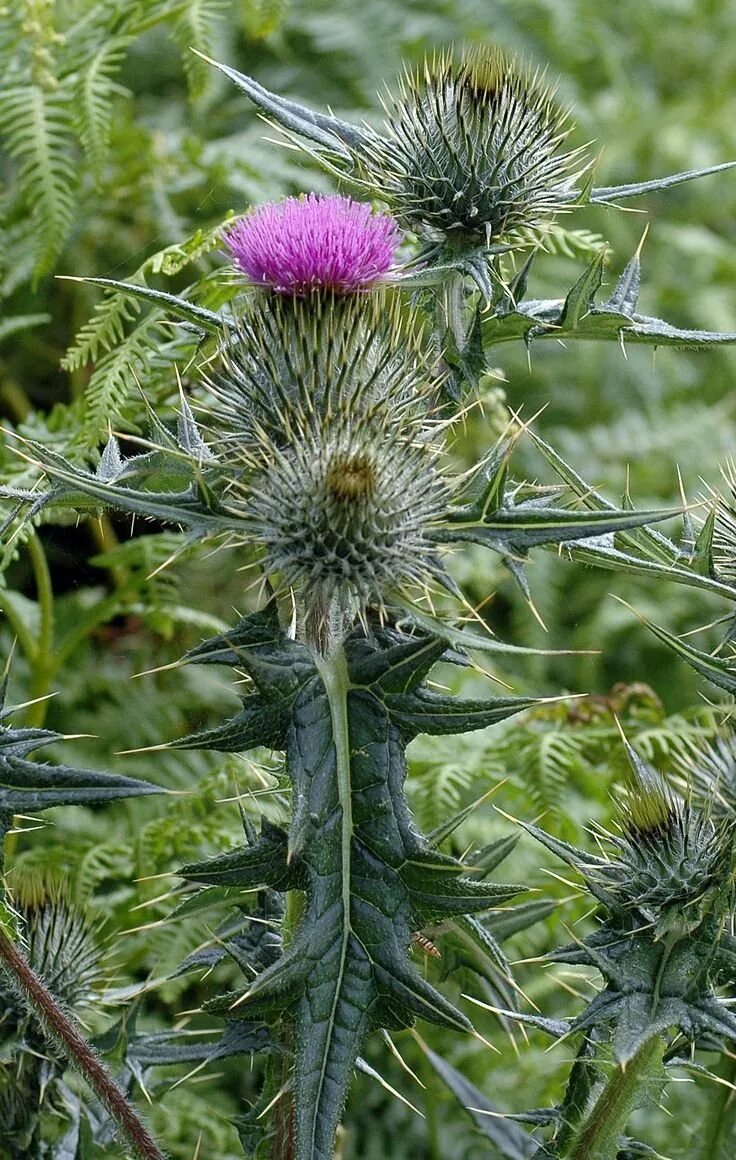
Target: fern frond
point(198, 27)
point(556, 240)
point(38, 129)
point(118, 374)
point(94, 100)
point(102, 331)
point(262, 18)
point(439, 793)
point(546, 761)
point(19, 322)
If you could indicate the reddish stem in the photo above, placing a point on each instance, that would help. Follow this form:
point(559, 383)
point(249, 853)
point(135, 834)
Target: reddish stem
point(62, 1031)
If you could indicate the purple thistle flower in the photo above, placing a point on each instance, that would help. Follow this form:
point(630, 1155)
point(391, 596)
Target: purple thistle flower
point(304, 243)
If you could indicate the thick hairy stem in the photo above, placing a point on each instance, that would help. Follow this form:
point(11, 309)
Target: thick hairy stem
point(59, 1028)
point(719, 1131)
point(453, 308)
point(598, 1136)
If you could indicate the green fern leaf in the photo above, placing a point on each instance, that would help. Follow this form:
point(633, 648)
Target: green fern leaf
point(93, 109)
point(38, 131)
point(103, 331)
point(198, 27)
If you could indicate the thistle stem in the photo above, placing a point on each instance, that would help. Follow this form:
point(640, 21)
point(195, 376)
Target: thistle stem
point(60, 1029)
point(43, 665)
point(453, 306)
point(719, 1130)
point(598, 1136)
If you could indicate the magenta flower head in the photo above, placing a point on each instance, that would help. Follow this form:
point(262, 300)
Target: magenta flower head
point(314, 242)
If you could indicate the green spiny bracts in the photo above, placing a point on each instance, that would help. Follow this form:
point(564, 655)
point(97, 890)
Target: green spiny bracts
point(370, 879)
point(669, 865)
point(709, 772)
point(666, 890)
point(344, 514)
point(471, 147)
point(291, 361)
point(322, 418)
point(62, 947)
point(669, 859)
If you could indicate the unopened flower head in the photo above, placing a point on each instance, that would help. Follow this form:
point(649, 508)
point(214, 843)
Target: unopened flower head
point(344, 511)
point(471, 146)
point(671, 859)
point(291, 358)
point(307, 243)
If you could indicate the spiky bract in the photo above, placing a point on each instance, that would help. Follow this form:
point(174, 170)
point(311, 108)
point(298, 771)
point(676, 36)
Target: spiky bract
point(292, 360)
point(305, 243)
point(323, 417)
point(669, 860)
point(344, 511)
point(62, 948)
point(471, 146)
point(61, 943)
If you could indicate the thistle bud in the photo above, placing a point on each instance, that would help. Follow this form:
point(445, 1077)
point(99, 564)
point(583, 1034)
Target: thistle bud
point(471, 148)
point(292, 359)
point(344, 510)
point(671, 860)
point(323, 418)
point(63, 951)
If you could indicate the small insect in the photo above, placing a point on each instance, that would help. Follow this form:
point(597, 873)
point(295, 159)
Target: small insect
point(426, 945)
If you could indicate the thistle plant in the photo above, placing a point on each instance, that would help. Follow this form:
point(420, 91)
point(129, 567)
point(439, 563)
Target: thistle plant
point(315, 443)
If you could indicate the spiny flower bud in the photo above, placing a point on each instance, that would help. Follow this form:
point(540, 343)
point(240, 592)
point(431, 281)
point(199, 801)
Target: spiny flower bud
point(311, 243)
point(62, 949)
point(670, 859)
point(291, 359)
point(471, 147)
point(344, 510)
point(61, 943)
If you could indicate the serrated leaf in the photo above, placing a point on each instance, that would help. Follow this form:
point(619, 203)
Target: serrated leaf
point(329, 132)
point(626, 291)
point(521, 528)
point(579, 298)
point(719, 671)
point(425, 711)
point(261, 721)
point(28, 786)
point(262, 864)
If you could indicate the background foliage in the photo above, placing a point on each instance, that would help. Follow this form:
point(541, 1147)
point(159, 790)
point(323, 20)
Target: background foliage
point(123, 155)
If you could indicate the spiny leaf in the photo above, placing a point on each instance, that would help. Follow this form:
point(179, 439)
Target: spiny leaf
point(521, 528)
point(328, 132)
point(506, 1137)
point(27, 786)
point(201, 318)
point(608, 193)
point(425, 711)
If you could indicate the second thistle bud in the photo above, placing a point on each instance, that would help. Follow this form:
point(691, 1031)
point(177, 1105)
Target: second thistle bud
point(343, 512)
point(471, 148)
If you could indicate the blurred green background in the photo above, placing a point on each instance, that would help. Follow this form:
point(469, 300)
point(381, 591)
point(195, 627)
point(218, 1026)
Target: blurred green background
point(653, 86)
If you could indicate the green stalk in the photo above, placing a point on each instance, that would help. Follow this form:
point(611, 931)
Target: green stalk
point(44, 666)
point(598, 1136)
point(719, 1131)
point(61, 1031)
point(333, 670)
point(453, 308)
